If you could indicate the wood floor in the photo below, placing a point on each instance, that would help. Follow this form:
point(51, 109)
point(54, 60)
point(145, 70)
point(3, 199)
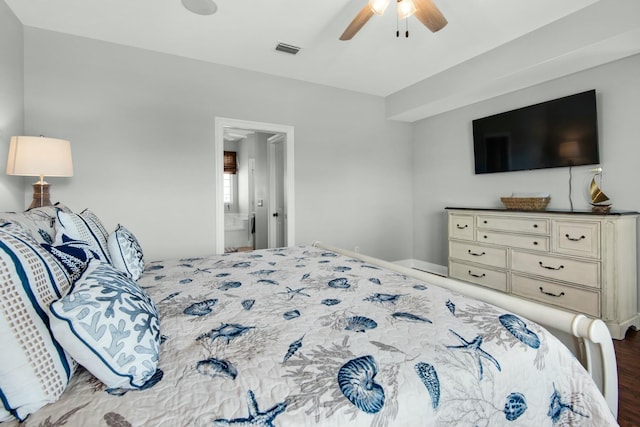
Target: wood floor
point(628, 356)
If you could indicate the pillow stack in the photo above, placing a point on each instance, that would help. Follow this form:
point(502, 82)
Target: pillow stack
point(68, 294)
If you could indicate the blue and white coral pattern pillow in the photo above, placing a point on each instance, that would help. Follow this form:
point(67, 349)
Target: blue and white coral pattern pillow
point(34, 368)
point(126, 253)
point(85, 226)
point(110, 326)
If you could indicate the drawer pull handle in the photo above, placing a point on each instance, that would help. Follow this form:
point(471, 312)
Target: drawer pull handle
point(460, 227)
point(535, 243)
point(561, 294)
point(574, 239)
point(535, 225)
point(485, 221)
point(479, 276)
point(475, 254)
point(550, 268)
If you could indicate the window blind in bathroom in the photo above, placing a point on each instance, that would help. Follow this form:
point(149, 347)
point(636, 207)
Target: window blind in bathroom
point(230, 165)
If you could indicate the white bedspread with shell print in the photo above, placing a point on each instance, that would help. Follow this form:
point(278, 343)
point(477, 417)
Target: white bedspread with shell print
point(305, 337)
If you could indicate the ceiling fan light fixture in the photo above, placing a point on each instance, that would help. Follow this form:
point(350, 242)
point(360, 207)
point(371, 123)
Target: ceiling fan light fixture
point(200, 7)
point(378, 6)
point(406, 8)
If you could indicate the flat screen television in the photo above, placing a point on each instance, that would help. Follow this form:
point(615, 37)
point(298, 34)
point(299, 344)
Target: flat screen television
point(556, 133)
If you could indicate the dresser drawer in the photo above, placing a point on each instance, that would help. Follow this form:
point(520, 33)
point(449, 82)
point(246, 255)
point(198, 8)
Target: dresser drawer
point(536, 243)
point(562, 296)
point(495, 257)
point(577, 238)
point(566, 269)
point(461, 227)
point(520, 225)
point(481, 276)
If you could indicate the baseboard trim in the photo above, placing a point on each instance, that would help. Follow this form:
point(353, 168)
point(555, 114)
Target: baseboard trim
point(417, 264)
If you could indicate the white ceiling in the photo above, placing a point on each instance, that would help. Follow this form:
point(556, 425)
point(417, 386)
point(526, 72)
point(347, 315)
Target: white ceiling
point(244, 33)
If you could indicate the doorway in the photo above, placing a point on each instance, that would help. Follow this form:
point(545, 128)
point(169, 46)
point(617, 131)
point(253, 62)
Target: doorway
point(264, 216)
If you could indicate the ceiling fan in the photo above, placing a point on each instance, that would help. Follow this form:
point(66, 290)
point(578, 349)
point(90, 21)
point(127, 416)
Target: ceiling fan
point(425, 10)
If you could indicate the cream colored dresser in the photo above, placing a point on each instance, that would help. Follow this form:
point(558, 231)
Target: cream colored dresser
point(583, 262)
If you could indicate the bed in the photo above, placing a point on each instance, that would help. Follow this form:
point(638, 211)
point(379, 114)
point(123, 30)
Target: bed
point(317, 336)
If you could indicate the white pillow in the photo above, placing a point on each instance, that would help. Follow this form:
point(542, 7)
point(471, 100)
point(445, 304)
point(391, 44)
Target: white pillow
point(110, 326)
point(34, 368)
point(84, 226)
point(125, 252)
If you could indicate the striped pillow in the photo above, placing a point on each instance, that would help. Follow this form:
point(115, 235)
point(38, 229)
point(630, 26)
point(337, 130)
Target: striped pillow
point(34, 369)
point(85, 226)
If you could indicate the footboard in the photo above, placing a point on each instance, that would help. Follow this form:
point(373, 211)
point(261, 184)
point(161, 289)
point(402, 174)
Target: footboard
point(589, 339)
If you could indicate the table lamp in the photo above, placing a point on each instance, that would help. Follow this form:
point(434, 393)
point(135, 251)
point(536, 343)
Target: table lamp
point(39, 156)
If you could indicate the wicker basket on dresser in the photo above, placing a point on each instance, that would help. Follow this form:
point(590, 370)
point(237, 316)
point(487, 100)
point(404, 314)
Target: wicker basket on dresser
point(577, 261)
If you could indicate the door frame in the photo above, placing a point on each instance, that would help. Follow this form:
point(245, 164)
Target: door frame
point(289, 194)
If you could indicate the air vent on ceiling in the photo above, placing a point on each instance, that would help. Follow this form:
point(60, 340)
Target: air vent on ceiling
point(287, 48)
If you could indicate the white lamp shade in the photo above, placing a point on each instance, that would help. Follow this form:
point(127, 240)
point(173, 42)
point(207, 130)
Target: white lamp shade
point(39, 156)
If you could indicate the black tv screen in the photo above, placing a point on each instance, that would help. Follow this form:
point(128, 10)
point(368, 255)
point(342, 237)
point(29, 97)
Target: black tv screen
point(557, 133)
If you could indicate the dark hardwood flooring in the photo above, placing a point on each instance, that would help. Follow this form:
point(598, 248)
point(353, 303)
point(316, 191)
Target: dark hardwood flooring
point(628, 357)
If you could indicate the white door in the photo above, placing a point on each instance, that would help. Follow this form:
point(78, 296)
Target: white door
point(277, 210)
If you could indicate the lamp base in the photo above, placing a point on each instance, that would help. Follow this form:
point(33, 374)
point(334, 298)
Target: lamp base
point(600, 208)
point(40, 195)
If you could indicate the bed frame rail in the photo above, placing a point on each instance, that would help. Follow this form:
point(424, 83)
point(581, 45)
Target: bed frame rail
point(589, 339)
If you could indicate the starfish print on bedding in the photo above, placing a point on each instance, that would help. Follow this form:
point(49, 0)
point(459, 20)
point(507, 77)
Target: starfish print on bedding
point(256, 418)
point(294, 292)
point(474, 347)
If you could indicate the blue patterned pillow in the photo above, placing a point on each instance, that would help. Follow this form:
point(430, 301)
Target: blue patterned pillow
point(38, 222)
point(85, 226)
point(110, 326)
point(73, 255)
point(126, 253)
point(34, 368)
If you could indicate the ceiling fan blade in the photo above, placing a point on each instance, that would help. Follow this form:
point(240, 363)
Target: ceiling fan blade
point(358, 22)
point(429, 14)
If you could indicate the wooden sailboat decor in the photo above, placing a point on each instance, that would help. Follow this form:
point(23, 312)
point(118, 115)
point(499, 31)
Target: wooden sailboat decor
point(599, 200)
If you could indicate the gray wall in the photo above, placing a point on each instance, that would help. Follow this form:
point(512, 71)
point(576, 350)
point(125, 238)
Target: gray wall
point(141, 126)
point(12, 192)
point(443, 155)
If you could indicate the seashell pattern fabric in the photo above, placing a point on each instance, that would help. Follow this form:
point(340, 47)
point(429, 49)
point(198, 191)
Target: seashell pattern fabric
point(305, 337)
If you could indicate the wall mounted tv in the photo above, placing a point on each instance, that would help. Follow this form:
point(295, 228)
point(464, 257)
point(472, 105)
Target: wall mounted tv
point(556, 133)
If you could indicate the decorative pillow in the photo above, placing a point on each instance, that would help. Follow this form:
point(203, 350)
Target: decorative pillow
point(73, 255)
point(126, 253)
point(85, 226)
point(110, 326)
point(34, 368)
point(38, 222)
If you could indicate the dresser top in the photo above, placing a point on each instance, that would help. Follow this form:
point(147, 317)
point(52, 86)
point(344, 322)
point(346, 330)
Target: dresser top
point(549, 211)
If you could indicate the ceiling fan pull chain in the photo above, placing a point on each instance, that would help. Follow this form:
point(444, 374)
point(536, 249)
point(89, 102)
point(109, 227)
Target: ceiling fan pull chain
point(397, 26)
point(406, 23)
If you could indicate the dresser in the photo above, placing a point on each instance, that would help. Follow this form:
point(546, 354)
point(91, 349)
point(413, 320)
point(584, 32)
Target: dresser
point(578, 261)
